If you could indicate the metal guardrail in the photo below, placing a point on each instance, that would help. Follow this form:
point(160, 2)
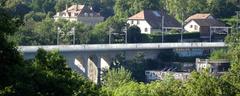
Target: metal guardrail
point(116, 47)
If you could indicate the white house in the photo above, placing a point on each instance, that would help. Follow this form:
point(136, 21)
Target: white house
point(204, 23)
point(150, 21)
point(81, 13)
point(220, 65)
point(199, 16)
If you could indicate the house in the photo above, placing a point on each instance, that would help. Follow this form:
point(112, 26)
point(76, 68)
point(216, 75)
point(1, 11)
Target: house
point(81, 13)
point(150, 21)
point(199, 16)
point(205, 24)
point(215, 66)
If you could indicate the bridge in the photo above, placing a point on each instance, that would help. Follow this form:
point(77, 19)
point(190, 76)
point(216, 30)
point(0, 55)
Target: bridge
point(90, 59)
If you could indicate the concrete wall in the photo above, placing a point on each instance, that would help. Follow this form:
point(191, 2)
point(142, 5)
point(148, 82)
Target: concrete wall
point(66, 18)
point(91, 20)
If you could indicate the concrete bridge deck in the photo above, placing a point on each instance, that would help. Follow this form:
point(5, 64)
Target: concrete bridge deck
point(123, 47)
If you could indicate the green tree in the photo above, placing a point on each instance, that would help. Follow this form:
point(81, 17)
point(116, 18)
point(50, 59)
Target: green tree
point(46, 32)
point(9, 55)
point(49, 75)
point(82, 33)
point(232, 76)
point(42, 5)
point(120, 9)
point(204, 83)
point(166, 87)
point(219, 54)
point(106, 8)
point(66, 31)
point(99, 34)
point(60, 5)
point(115, 78)
point(137, 66)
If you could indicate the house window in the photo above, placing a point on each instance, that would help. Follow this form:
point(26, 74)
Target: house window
point(191, 26)
point(195, 27)
point(131, 21)
point(146, 29)
point(138, 22)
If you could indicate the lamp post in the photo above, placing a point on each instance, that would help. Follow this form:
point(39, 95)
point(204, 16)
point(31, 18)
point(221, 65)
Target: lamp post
point(58, 32)
point(182, 28)
point(162, 28)
point(110, 35)
point(126, 36)
point(125, 29)
point(74, 38)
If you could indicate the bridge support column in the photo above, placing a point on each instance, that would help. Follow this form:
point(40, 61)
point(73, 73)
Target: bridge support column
point(104, 65)
point(93, 68)
point(97, 64)
point(82, 65)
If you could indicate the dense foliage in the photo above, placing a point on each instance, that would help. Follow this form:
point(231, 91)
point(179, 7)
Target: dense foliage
point(48, 74)
point(38, 23)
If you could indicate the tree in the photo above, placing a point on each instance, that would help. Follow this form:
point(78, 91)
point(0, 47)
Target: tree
point(9, 55)
point(82, 33)
point(115, 78)
point(99, 34)
point(60, 5)
point(107, 8)
point(204, 84)
point(219, 54)
point(46, 32)
point(120, 9)
point(166, 87)
point(65, 30)
point(49, 75)
point(232, 76)
point(42, 5)
point(138, 67)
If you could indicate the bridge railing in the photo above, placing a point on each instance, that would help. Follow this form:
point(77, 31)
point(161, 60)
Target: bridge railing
point(136, 46)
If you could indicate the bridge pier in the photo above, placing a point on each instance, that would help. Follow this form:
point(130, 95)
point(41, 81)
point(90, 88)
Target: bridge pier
point(82, 63)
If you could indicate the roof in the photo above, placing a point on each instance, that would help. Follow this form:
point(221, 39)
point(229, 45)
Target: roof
point(154, 18)
point(198, 16)
point(208, 22)
point(75, 8)
point(78, 10)
point(140, 15)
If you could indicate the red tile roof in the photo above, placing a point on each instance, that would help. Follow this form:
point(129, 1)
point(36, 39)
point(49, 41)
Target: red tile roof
point(198, 16)
point(154, 18)
point(139, 15)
